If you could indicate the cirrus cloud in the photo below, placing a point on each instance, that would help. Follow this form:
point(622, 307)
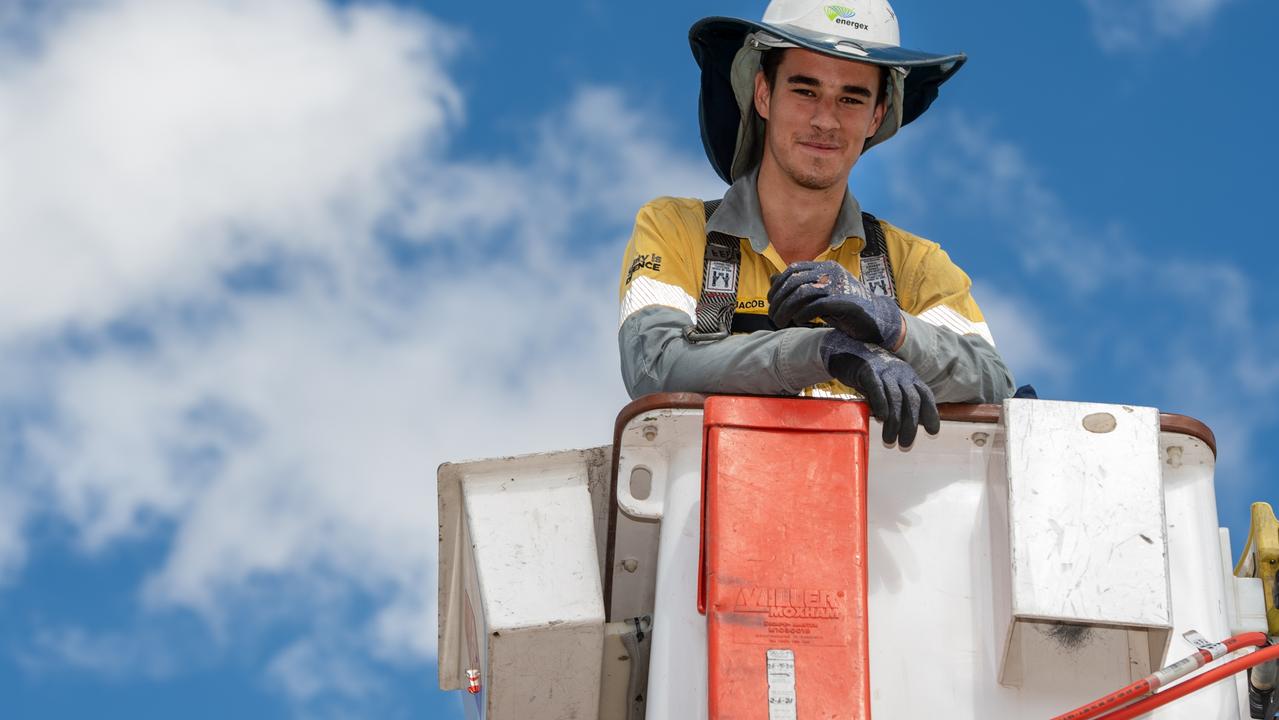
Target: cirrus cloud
point(1137, 25)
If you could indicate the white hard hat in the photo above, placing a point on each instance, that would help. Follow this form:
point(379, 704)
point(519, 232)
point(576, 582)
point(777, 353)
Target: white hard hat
point(728, 52)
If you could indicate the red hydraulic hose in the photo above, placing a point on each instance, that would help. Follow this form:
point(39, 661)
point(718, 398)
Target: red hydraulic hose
point(1197, 682)
point(1162, 677)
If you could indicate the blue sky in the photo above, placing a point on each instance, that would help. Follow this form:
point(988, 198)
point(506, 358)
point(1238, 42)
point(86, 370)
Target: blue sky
point(268, 264)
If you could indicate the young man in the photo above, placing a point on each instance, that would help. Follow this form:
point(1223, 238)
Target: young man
point(819, 298)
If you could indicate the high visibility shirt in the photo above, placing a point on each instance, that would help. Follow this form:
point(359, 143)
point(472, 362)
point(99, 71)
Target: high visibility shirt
point(947, 339)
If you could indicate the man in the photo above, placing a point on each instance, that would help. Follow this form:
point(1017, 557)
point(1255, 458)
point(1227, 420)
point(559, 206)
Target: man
point(820, 299)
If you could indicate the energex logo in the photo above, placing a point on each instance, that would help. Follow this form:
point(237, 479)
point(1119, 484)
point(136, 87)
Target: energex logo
point(841, 15)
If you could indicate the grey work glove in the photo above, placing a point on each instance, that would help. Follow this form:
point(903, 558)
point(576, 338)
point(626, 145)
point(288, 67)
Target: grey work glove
point(890, 385)
point(809, 290)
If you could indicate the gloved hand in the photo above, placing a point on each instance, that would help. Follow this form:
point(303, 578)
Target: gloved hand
point(890, 385)
point(809, 290)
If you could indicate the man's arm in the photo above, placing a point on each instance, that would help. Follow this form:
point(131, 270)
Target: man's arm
point(947, 339)
point(957, 367)
point(657, 293)
point(657, 358)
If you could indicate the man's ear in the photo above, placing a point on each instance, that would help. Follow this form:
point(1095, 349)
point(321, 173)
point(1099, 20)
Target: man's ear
point(762, 94)
point(881, 109)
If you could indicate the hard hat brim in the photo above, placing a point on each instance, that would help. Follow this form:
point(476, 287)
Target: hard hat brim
point(716, 40)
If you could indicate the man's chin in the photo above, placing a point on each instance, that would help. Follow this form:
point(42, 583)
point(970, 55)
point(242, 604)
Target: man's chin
point(817, 175)
point(816, 181)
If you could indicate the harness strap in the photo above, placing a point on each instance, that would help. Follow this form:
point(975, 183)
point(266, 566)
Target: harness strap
point(877, 271)
point(720, 263)
point(716, 316)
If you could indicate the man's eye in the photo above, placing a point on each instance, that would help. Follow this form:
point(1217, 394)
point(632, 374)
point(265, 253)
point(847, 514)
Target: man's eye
point(853, 100)
point(805, 92)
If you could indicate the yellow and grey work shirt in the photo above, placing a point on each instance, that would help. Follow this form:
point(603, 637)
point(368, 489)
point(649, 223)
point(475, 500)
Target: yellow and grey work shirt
point(947, 340)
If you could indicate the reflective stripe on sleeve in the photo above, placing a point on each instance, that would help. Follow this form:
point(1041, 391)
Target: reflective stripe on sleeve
point(645, 291)
point(945, 317)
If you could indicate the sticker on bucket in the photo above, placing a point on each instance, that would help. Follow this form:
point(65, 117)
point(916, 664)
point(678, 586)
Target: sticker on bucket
point(780, 666)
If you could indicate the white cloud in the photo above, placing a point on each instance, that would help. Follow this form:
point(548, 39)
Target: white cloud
point(112, 654)
point(1136, 25)
point(290, 433)
point(1024, 337)
point(307, 672)
point(13, 511)
point(149, 145)
point(982, 177)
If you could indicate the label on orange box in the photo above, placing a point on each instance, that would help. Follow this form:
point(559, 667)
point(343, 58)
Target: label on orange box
point(780, 666)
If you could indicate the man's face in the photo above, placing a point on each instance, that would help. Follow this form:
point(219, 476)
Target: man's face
point(820, 112)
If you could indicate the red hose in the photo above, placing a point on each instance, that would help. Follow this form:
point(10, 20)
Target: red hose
point(1197, 682)
point(1127, 694)
point(1152, 682)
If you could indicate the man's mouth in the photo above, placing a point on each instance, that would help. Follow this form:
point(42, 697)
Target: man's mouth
point(819, 145)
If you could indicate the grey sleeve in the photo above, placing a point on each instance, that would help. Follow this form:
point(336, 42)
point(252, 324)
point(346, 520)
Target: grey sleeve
point(657, 358)
point(958, 368)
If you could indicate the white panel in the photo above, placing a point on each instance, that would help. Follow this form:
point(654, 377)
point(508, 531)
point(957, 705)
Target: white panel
point(1198, 602)
point(520, 534)
point(653, 440)
point(1086, 513)
point(676, 687)
point(531, 530)
point(1245, 596)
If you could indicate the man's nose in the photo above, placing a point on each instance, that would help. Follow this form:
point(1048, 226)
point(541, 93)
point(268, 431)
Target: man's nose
point(824, 117)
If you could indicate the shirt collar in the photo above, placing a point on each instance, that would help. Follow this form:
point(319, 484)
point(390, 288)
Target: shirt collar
point(739, 215)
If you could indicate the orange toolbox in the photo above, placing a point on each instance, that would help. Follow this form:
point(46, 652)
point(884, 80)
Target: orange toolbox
point(783, 559)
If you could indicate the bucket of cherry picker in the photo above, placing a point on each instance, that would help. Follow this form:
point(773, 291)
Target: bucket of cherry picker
point(1030, 558)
